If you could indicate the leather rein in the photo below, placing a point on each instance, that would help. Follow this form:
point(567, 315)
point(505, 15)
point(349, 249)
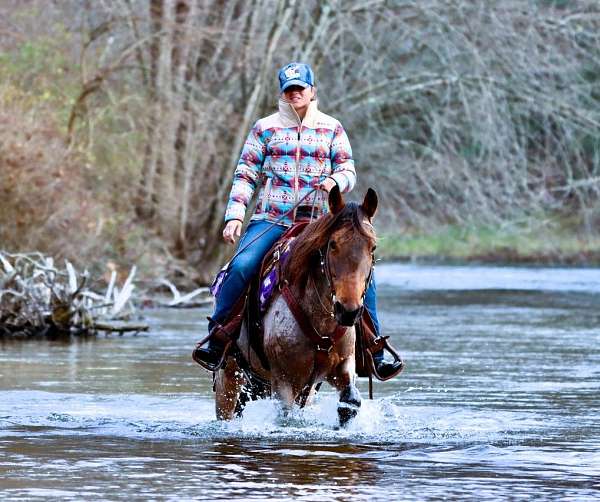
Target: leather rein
point(323, 343)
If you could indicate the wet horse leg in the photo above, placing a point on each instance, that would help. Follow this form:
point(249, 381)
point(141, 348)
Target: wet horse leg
point(343, 380)
point(228, 385)
point(283, 391)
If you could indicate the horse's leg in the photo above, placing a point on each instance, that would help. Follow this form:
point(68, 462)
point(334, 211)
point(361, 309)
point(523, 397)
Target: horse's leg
point(283, 391)
point(228, 384)
point(310, 397)
point(343, 380)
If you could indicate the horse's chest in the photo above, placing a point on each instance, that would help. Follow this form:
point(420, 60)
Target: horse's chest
point(282, 330)
point(283, 336)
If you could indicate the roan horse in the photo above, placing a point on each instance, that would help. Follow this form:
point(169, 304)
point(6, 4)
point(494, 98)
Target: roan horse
point(326, 273)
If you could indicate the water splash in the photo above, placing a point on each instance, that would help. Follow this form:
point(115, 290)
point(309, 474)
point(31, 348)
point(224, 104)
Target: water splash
point(383, 421)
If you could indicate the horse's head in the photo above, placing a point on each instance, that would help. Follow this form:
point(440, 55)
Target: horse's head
point(347, 258)
point(336, 251)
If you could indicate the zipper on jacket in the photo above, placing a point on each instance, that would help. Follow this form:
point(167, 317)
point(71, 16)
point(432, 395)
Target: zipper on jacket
point(297, 174)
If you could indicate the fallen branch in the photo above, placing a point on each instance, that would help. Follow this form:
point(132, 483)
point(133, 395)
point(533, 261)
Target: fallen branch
point(186, 300)
point(118, 329)
point(38, 298)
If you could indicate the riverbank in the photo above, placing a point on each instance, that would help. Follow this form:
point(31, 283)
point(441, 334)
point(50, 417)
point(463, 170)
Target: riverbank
point(455, 244)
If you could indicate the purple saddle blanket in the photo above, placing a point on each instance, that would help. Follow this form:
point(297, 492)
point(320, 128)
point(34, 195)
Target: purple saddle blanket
point(268, 282)
point(215, 287)
point(270, 267)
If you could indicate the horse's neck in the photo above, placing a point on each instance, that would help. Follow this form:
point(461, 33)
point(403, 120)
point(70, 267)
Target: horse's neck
point(315, 301)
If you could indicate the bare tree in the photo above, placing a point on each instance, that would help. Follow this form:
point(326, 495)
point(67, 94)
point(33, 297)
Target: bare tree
point(458, 111)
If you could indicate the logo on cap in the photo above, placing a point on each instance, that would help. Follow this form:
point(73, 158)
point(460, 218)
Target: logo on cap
point(292, 72)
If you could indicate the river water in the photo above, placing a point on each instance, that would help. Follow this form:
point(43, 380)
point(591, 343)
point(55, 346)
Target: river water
point(500, 399)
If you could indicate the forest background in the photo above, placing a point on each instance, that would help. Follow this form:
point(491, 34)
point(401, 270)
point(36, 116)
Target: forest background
point(121, 122)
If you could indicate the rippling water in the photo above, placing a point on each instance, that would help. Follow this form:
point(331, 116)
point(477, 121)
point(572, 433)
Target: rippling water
point(500, 399)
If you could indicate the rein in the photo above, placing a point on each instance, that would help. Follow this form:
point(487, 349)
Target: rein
point(322, 343)
point(278, 220)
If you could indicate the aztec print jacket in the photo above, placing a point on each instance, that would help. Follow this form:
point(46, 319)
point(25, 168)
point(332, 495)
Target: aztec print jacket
point(287, 157)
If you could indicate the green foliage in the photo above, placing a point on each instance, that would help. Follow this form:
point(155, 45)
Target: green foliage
point(516, 244)
point(40, 75)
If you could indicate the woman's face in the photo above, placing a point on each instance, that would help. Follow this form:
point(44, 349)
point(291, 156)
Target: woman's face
point(298, 97)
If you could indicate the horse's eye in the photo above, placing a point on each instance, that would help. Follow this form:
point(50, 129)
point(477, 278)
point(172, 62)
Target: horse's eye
point(374, 248)
point(333, 246)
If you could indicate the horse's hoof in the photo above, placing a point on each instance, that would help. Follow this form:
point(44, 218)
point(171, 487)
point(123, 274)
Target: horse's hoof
point(346, 413)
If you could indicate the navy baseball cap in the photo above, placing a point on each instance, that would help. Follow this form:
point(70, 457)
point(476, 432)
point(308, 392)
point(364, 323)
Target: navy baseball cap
point(295, 74)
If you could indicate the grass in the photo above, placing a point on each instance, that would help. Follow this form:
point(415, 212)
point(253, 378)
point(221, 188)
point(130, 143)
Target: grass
point(488, 244)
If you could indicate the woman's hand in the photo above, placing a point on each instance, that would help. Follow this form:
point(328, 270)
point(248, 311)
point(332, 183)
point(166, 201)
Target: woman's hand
point(327, 184)
point(233, 229)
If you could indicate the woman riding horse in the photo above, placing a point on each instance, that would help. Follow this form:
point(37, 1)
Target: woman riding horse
point(287, 154)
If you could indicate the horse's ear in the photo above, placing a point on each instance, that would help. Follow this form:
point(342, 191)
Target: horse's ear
point(369, 205)
point(336, 202)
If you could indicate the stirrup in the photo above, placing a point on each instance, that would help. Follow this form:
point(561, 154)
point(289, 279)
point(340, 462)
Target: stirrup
point(207, 357)
point(200, 354)
point(211, 358)
point(392, 368)
point(388, 369)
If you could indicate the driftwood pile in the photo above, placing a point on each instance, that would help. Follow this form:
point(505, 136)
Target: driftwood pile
point(39, 298)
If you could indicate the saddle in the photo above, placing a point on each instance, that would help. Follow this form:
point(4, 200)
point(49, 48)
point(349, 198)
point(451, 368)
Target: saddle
point(254, 302)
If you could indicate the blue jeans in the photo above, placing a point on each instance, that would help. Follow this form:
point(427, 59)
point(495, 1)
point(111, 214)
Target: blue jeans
point(246, 264)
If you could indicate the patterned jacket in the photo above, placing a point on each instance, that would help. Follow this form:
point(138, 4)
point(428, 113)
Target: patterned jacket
point(286, 158)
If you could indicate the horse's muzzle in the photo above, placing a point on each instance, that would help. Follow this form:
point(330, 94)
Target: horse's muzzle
point(346, 317)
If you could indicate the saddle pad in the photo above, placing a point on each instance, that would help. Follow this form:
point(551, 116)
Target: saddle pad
point(269, 282)
point(215, 287)
point(269, 277)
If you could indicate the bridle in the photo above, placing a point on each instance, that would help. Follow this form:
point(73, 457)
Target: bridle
point(325, 264)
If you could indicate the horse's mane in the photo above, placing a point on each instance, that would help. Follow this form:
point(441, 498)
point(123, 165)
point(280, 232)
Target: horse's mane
point(304, 251)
